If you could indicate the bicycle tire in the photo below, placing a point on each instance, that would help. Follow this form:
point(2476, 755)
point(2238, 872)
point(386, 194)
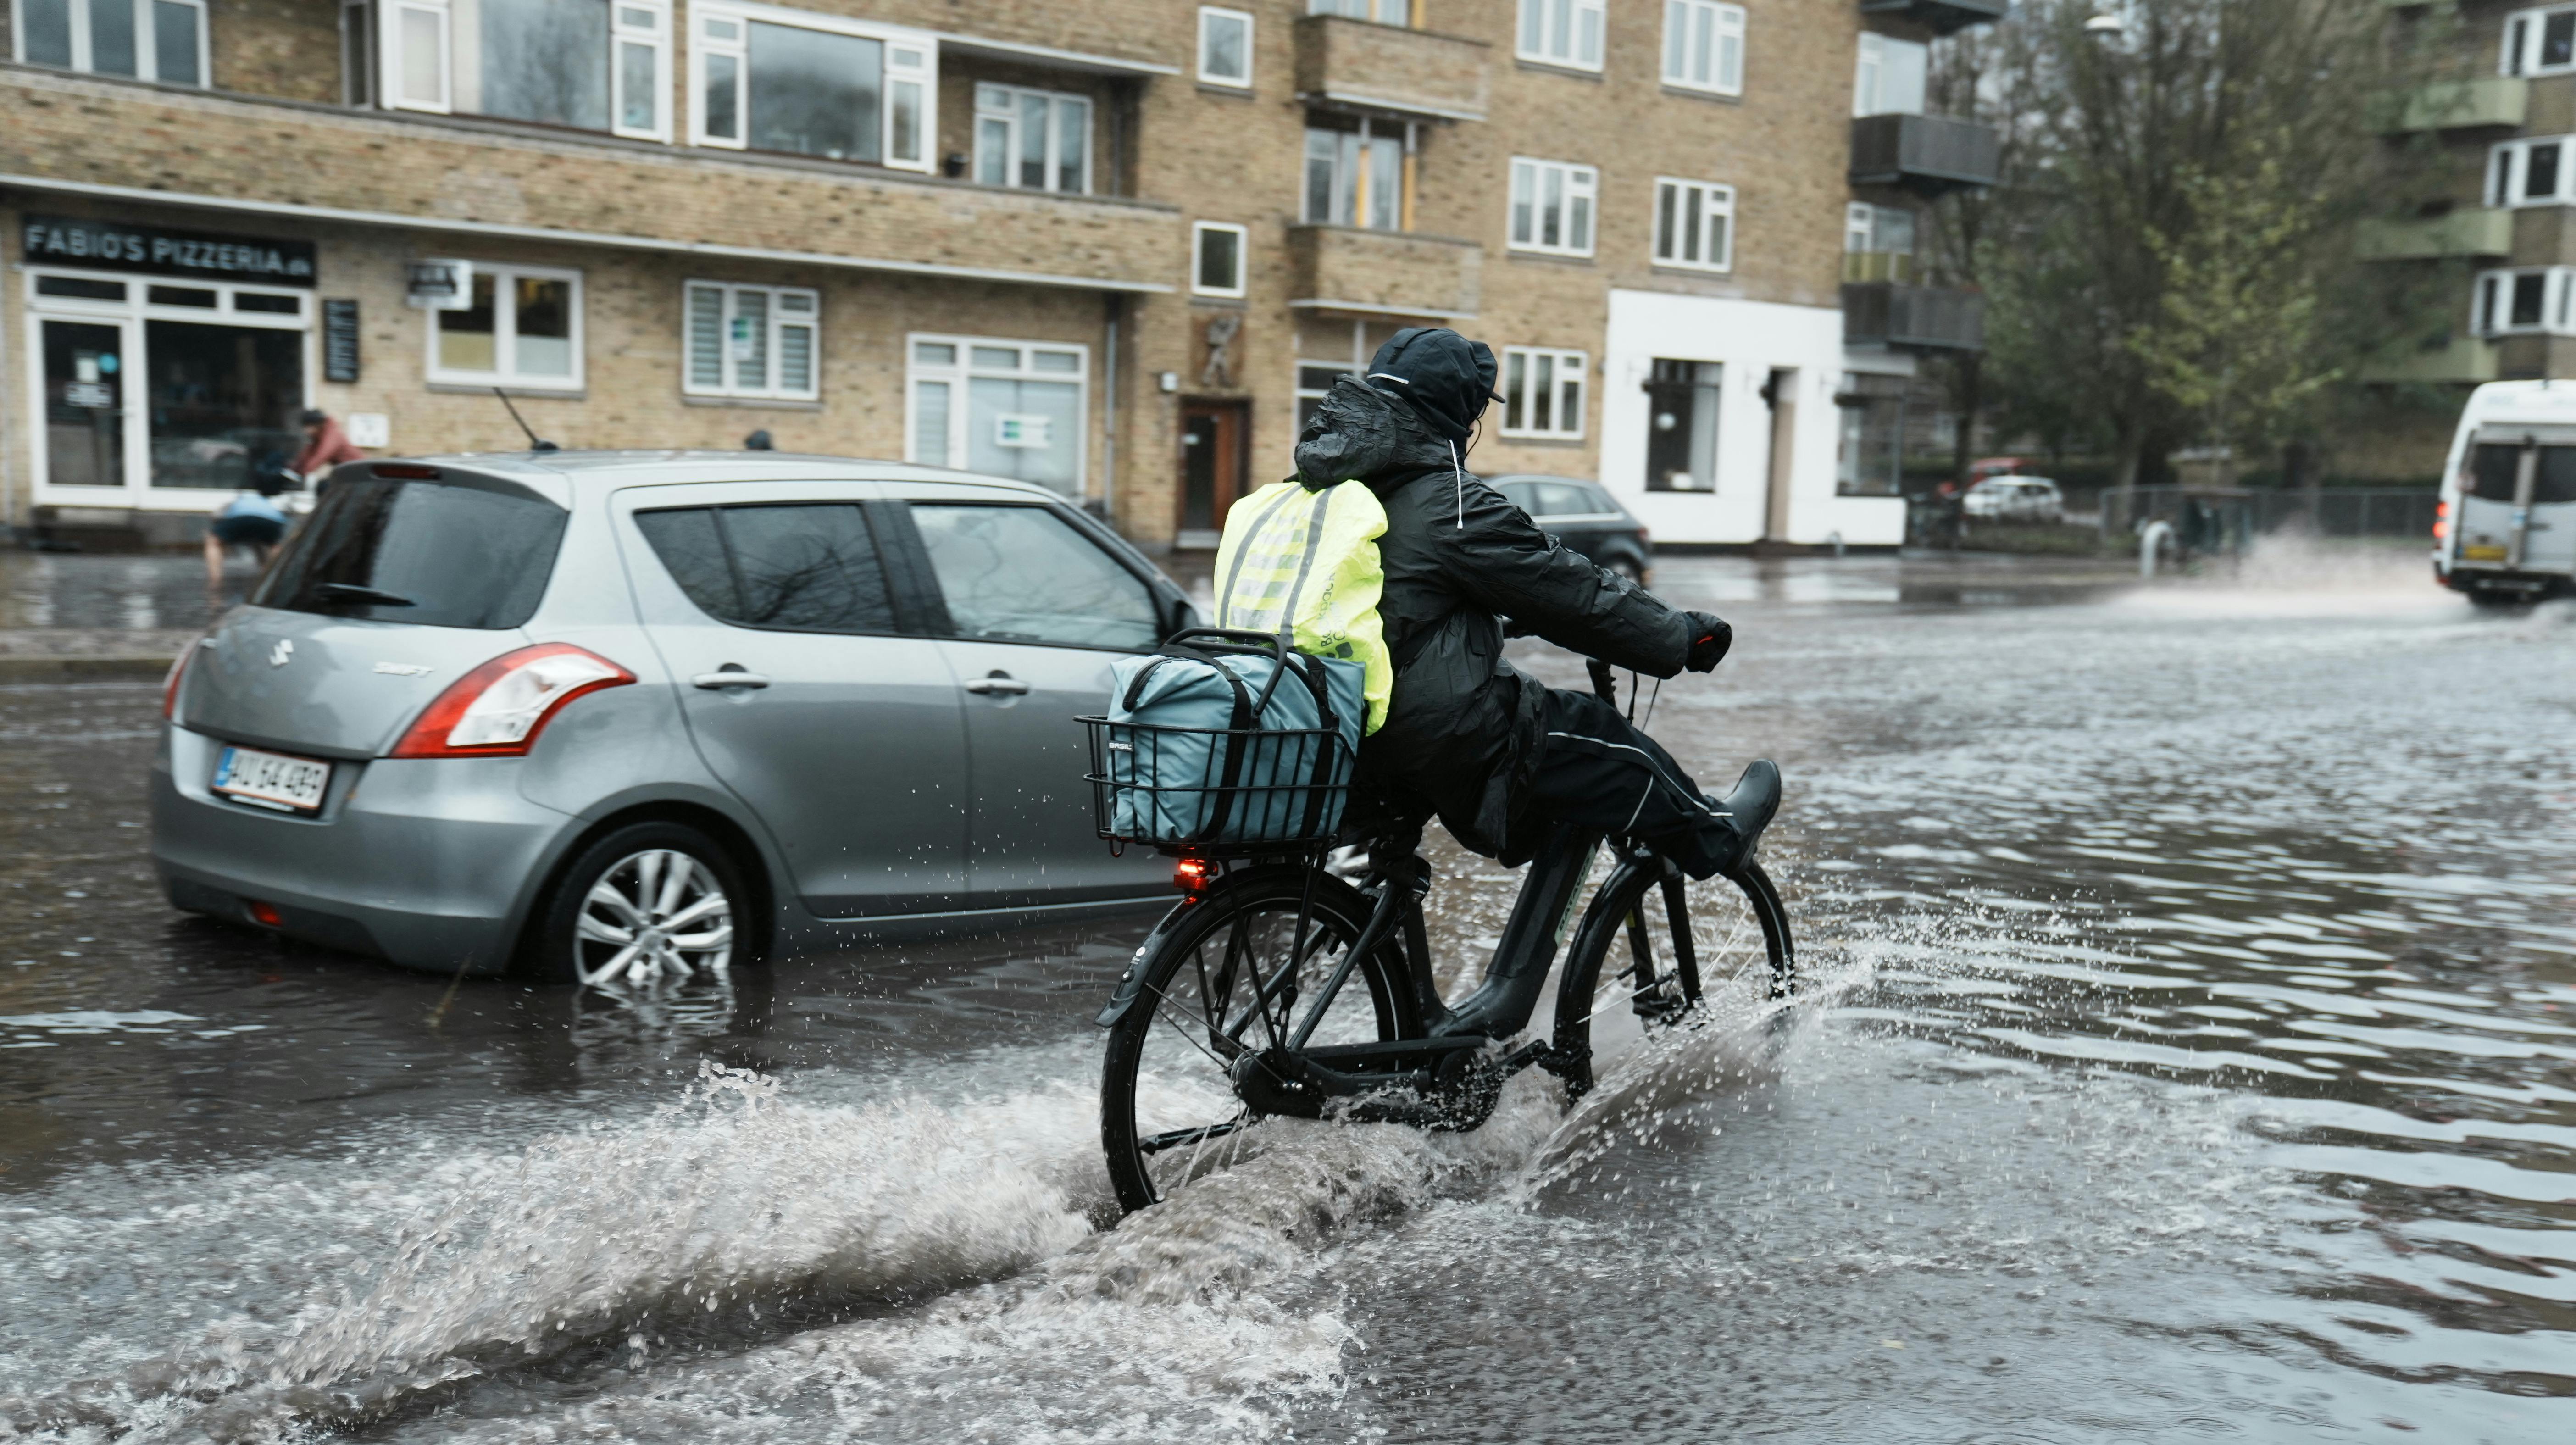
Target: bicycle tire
point(1338, 913)
point(1622, 912)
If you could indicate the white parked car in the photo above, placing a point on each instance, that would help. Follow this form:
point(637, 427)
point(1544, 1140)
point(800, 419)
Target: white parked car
point(2016, 499)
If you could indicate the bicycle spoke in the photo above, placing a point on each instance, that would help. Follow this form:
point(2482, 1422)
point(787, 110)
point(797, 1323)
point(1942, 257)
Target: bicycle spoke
point(1174, 1138)
point(1187, 1037)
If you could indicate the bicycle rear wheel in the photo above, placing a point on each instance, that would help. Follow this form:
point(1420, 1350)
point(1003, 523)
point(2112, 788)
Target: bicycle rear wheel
point(1655, 947)
point(1169, 1113)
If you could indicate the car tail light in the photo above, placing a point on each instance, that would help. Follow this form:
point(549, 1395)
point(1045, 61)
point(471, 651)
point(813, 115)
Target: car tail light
point(178, 671)
point(265, 915)
point(497, 710)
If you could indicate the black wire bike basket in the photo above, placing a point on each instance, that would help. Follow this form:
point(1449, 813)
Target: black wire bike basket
point(1219, 789)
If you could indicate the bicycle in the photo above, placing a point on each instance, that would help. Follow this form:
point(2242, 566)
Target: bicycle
point(1266, 926)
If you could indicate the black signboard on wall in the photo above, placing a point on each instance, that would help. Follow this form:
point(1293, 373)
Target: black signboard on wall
point(339, 340)
point(161, 251)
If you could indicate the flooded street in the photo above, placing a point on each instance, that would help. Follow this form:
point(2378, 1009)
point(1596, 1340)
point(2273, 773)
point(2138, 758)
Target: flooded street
point(2189, 1051)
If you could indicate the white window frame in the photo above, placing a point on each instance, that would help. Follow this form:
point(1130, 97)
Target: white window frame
point(1242, 260)
point(919, 71)
point(780, 321)
point(2521, 40)
point(1714, 202)
point(960, 408)
point(1008, 113)
point(147, 51)
point(1870, 74)
point(656, 38)
point(1577, 22)
point(1398, 13)
point(391, 39)
point(2557, 302)
point(1356, 194)
point(1210, 77)
point(1568, 368)
point(2508, 171)
point(1577, 184)
point(505, 333)
point(1696, 27)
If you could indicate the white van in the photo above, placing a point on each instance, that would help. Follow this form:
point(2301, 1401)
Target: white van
point(2507, 532)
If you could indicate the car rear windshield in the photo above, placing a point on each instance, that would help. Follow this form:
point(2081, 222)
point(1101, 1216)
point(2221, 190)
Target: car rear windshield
point(434, 553)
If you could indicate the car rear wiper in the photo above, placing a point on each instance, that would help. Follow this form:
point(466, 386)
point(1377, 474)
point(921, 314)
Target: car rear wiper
point(353, 592)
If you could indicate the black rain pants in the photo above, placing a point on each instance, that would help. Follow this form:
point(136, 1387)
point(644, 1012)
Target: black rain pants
point(1597, 770)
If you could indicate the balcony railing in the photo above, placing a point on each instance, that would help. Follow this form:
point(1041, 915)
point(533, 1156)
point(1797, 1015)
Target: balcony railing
point(1945, 16)
point(2463, 359)
point(1913, 318)
point(2488, 102)
point(2472, 232)
point(1387, 67)
point(1384, 273)
point(1897, 266)
point(1926, 153)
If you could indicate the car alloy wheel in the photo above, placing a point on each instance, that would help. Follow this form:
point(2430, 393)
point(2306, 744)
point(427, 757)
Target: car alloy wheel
point(654, 914)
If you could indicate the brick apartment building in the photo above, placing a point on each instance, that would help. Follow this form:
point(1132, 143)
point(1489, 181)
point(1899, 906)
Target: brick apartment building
point(1115, 246)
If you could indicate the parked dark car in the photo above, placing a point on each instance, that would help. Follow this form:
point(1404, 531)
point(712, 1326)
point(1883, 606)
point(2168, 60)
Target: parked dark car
point(1583, 515)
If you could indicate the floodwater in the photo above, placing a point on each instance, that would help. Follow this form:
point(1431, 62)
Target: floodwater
point(2190, 1053)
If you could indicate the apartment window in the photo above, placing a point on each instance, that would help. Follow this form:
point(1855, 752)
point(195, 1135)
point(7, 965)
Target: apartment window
point(357, 52)
point(1694, 224)
point(163, 40)
point(1561, 32)
point(522, 327)
point(1682, 401)
point(2540, 42)
point(1355, 178)
point(1225, 46)
point(752, 341)
point(1704, 46)
point(1384, 12)
point(2540, 171)
point(842, 90)
point(1006, 408)
point(1891, 76)
point(1542, 393)
point(1216, 258)
point(587, 64)
point(1039, 140)
point(1878, 243)
point(2535, 299)
point(1552, 206)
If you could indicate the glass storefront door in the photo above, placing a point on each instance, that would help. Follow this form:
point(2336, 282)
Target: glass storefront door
point(84, 384)
point(168, 394)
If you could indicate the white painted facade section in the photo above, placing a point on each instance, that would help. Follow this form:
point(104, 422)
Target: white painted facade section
point(1751, 339)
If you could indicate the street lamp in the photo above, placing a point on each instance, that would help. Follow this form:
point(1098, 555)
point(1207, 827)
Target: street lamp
point(2106, 27)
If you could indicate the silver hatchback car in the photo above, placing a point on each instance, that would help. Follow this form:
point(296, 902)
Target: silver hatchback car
point(607, 716)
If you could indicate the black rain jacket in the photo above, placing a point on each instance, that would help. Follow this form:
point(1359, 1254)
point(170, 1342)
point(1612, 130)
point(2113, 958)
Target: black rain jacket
point(1464, 732)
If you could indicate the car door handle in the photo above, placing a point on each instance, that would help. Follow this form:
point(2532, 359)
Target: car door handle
point(1000, 682)
point(712, 680)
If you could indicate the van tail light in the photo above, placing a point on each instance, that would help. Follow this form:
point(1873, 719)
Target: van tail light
point(497, 710)
point(2441, 520)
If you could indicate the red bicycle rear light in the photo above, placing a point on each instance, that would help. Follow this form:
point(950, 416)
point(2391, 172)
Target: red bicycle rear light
point(497, 710)
point(1193, 875)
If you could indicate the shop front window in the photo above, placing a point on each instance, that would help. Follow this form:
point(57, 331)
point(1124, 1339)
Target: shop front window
point(1682, 402)
point(586, 64)
point(521, 327)
point(1870, 459)
point(1005, 408)
point(163, 40)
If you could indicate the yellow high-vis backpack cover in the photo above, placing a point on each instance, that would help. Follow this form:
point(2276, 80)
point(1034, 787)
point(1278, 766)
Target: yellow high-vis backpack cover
point(1302, 565)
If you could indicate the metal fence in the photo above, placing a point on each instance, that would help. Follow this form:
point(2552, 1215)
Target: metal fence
point(2240, 512)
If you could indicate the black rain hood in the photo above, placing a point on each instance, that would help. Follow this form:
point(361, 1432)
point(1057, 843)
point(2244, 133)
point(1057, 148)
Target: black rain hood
point(1464, 729)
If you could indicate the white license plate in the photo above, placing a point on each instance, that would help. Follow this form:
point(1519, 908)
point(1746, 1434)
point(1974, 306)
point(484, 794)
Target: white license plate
point(271, 780)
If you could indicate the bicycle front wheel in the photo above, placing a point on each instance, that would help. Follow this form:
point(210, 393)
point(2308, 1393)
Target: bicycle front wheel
point(1211, 993)
point(1654, 947)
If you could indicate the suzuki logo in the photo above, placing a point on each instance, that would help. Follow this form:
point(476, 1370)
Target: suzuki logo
point(282, 654)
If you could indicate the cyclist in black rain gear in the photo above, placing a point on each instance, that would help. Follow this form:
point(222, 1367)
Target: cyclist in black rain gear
point(1491, 750)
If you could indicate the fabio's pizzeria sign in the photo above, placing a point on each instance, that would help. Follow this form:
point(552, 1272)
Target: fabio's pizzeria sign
point(116, 246)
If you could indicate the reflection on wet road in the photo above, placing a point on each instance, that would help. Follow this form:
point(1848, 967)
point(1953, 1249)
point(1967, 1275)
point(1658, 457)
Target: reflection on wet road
point(2193, 1053)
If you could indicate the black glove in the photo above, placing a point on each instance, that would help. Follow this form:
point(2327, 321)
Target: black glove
point(1710, 637)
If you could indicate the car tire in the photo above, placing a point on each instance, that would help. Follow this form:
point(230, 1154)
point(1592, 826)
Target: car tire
point(648, 902)
point(1628, 566)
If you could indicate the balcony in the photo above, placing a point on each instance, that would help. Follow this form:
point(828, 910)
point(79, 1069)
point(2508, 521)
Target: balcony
point(2492, 101)
point(1913, 318)
point(2463, 360)
point(1897, 266)
point(1945, 16)
point(436, 174)
point(1929, 154)
point(1384, 273)
point(2471, 232)
point(1387, 67)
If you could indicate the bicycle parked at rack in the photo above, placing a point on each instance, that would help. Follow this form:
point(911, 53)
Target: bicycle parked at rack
point(1240, 1006)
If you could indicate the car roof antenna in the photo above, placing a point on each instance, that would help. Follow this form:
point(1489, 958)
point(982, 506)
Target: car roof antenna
point(536, 443)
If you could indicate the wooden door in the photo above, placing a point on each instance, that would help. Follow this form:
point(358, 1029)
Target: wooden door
point(1213, 434)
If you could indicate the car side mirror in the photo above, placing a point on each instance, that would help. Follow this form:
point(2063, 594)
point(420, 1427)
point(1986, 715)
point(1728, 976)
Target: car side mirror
point(1178, 614)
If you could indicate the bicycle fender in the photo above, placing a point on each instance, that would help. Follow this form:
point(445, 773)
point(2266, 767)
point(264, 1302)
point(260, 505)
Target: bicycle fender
point(1132, 982)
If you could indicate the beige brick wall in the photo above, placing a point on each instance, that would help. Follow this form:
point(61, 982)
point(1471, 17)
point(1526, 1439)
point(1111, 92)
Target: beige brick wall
point(287, 48)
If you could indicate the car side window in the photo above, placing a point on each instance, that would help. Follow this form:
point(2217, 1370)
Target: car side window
point(1562, 499)
point(1023, 574)
point(804, 568)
